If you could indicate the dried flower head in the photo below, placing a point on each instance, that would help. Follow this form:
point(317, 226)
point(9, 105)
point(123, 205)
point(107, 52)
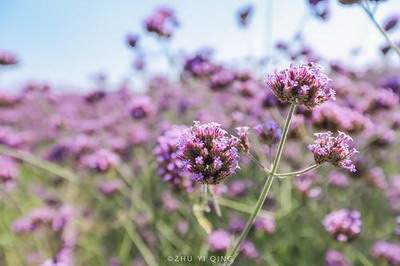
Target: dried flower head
point(333, 149)
point(209, 153)
point(343, 224)
point(304, 84)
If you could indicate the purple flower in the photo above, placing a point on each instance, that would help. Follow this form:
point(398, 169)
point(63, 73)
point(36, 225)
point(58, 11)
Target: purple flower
point(221, 79)
point(338, 179)
point(219, 240)
point(110, 187)
point(265, 223)
point(132, 40)
point(162, 22)
point(391, 22)
point(169, 165)
point(333, 149)
point(305, 185)
point(387, 251)
point(335, 258)
point(344, 225)
point(249, 250)
point(239, 188)
point(141, 107)
point(236, 224)
point(8, 169)
point(269, 132)
point(244, 15)
point(209, 153)
point(304, 84)
point(101, 160)
point(244, 142)
point(8, 59)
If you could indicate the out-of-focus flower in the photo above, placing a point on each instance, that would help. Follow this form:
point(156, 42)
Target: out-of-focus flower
point(305, 185)
point(338, 179)
point(387, 251)
point(8, 169)
point(162, 22)
point(200, 65)
point(170, 203)
point(8, 59)
point(269, 132)
point(333, 149)
point(169, 165)
point(391, 22)
point(335, 258)
point(236, 224)
point(244, 142)
point(219, 240)
point(244, 15)
point(304, 84)
point(209, 153)
point(320, 8)
point(391, 82)
point(344, 225)
point(397, 230)
point(132, 40)
point(111, 187)
point(249, 250)
point(141, 107)
point(265, 223)
point(380, 136)
point(239, 188)
point(376, 177)
point(222, 79)
point(101, 160)
point(348, 2)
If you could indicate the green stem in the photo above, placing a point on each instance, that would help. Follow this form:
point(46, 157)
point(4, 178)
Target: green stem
point(232, 254)
point(382, 31)
point(215, 202)
point(297, 173)
point(39, 163)
point(239, 206)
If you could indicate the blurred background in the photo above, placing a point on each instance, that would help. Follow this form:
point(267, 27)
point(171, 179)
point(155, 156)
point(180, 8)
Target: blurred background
point(67, 42)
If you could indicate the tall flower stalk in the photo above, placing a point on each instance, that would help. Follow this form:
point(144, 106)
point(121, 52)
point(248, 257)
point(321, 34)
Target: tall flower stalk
point(232, 254)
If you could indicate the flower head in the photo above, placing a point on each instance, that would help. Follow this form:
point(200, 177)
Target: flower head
point(219, 240)
point(209, 154)
point(162, 22)
point(8, 59)
point(169, 165)
point(387, 251)
point(101, 160)
point(343, 224)
point(244, 142)
point(304, 84)
point(335, 258)
point(269, 132)
point(333, 149)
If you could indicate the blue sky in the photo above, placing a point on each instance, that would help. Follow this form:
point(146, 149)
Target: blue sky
point(66, 41)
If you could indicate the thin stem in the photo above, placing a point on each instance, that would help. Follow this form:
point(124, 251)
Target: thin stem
point(232, 254)
point(239, 206)
point(378, 26)
point(215, 202)
point(300, 172)
point(39, 163)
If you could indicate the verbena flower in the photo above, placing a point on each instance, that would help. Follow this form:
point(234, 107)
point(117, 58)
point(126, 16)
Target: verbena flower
point(169, 164)
point(111, 187)
point(244, 15)
point(101, 160)
point(244, 142)
point(8, 169)
point(333, 149)
point(335, 258)
point(209, 153)
point(304, 84)
point(141, 107)
point(393, 193)
point(132, 40)
point(387, 251)
point(343, 224)
point(265, 223)
point(162, 22)
point(269, 132)
point(219, 240)
point(8, 59)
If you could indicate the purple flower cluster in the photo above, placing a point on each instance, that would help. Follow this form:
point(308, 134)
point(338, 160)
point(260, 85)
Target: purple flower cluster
point(265, 223)
point(169, 165)
point(303, 85)
point(162, 22)
point(269, 132)
point(141, 107)
point(335, 258)
point(333, 149)
point(8, 169)
point(102, 160)
point(8, 59)
point(209, 153)
point(387, 251)
point(344, 225)
point(219, 240)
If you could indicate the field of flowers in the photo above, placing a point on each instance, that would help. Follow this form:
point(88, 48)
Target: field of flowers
point(214, 165)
